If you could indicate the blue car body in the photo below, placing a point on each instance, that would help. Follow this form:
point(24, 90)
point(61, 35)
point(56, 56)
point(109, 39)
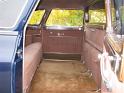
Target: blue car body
point(11, 52)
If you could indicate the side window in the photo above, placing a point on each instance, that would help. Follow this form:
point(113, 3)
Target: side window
point(65, 18)
point(115, 22)
point(36, 17)
point(113, 12)
point(97, 16)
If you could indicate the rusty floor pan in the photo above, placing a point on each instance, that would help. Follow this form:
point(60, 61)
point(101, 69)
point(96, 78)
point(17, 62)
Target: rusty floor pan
point(62, 77)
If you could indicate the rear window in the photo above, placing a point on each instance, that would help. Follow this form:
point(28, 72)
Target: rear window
point(36, 17)
point(65, 18)
point(97, 16)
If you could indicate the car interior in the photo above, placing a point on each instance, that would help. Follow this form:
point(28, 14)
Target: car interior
point(64, 59)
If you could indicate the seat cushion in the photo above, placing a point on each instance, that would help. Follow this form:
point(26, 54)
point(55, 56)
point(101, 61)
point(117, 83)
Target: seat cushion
point(32, 57)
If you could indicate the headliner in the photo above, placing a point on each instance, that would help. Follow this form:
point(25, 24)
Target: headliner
point(71, 4)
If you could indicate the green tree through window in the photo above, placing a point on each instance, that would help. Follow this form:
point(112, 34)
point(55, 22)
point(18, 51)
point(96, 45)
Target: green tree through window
point(68, 17)
point(97, 16)
point(36, 17)
point(65, 18)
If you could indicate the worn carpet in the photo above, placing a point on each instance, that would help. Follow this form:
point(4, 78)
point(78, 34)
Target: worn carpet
point(62, 77)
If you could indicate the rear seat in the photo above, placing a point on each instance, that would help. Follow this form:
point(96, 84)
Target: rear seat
point(32, 57)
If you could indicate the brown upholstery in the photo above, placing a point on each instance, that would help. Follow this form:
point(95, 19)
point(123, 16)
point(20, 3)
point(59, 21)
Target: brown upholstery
point(32, 57)
point(94, 37)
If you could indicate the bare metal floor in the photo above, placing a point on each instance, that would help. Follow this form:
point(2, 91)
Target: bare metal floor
point(62, 77)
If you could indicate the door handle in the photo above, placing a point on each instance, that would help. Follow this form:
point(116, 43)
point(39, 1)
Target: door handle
point(60, 34)
point(92, 30)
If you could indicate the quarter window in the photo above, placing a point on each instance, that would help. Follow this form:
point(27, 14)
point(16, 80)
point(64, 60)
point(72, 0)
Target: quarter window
point(97, 16)
point(36, 17)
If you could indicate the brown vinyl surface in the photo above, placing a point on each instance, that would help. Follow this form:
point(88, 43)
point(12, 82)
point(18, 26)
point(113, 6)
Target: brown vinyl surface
point(62, 41)
point(55, 76)
point(92, 47)
point(32, 35)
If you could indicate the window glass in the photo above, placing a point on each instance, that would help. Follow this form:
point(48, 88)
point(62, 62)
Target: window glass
point(113, 12)
point(36, 17)
point(65, 18)
point(115, 21)
point(11, 12)
point(97, 16)
point(120, 14)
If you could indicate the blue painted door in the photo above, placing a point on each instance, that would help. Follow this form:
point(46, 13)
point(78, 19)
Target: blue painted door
point(14, 16)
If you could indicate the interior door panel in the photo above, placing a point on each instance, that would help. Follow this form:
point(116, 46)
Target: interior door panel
point(62, 41)
point(33, 34)
point(94, 37)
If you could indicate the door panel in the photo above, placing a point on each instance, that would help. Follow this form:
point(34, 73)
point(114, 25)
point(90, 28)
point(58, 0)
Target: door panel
point(33, 34)
point(94, 37)
point(62, 41)
point(8, 49)
point(92, 62)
